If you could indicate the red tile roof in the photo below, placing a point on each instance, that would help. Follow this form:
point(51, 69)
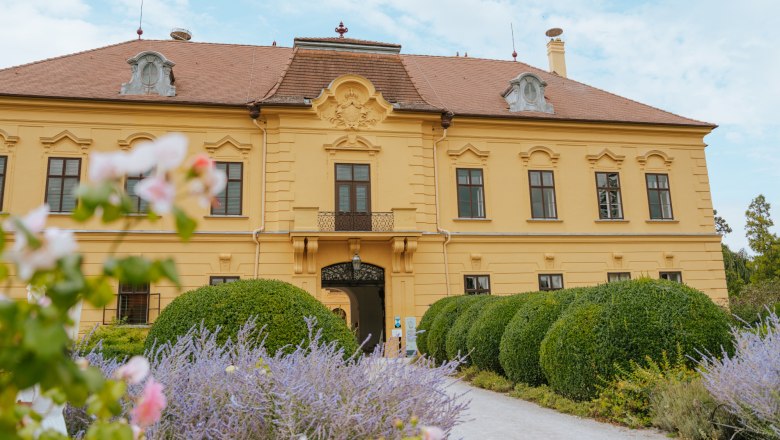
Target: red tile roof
point(229, 74)
point(346, 40)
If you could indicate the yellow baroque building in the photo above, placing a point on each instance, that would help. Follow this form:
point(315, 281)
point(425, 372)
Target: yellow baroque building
point(440, 175)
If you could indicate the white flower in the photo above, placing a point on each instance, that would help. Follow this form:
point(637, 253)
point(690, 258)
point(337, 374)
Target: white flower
point(54, 243)
point(33, 222)
point(141, 159)
point(230, 369)
point(157, 191)
point(134, 371)
point(206, 180)
point(170, 151)
point(432, 433)
point(107, 166)
point(4, 298)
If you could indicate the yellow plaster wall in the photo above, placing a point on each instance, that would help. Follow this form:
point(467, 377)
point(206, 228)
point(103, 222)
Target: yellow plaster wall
point(304, 144)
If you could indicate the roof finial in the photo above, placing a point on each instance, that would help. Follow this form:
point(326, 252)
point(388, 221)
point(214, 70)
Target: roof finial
point(140, 31)
point(341, 30)
point(514, 52)
point(274, 43)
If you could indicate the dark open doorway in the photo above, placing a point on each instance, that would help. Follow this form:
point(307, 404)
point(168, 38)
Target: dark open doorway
point(366, 290)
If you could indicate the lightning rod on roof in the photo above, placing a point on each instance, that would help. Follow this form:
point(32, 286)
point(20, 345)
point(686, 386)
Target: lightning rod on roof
point(514, 52)
point(140, 31)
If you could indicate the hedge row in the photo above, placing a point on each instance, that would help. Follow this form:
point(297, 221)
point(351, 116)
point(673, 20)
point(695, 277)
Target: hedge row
point(575, 339)
point(278, 307)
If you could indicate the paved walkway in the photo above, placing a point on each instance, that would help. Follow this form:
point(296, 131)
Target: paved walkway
point(494, 416)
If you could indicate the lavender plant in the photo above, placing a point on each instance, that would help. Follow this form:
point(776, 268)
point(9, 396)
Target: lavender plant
point(237, 390)
point(747, 383)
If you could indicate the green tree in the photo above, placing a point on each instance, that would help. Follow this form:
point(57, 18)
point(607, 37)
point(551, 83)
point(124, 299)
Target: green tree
point(766, 245)
point(721, 227)
point(738, 269)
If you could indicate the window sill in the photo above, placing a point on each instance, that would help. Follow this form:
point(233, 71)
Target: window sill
point(611, 220)
point(61, 214)
point(226, 216)
point(671, 220)
point(472, 219)
point(135, 325)
point(544, 220)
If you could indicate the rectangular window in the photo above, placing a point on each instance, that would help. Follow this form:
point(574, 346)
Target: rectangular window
point(618, 276)
point(471, 193)
point(658, 196)
point(230, 199)
point(133, 304)
point(552, 281)
point(216, 280)
point(608, 188)
point(671, 276)
point(3, 161)
point(62, 178)
point(353, 197)
point(477, 284)
point(140, 206)
point(542, 186)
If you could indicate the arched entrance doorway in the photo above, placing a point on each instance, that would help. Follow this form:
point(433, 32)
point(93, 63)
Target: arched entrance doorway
point(365, 288)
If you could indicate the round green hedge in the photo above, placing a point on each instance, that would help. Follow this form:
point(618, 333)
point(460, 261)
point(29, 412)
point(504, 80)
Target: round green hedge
point(437, 337)
point(519, 349)
point(456, 336)
point(614, 323)
point(484, 337)
point(427, 321)
point(278, 306)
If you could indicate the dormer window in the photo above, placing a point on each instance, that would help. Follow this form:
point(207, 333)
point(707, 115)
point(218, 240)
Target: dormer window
point(526, 94)
point(151, 75)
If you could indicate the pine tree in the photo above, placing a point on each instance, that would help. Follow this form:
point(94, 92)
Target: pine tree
point(766, 245)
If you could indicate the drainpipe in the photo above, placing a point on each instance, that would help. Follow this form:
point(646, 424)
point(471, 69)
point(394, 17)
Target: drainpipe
point(446, 121)
point(254, 113)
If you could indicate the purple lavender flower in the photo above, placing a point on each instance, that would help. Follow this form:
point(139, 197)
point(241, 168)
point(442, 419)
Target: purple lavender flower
point(237, 390)
point(747, 383)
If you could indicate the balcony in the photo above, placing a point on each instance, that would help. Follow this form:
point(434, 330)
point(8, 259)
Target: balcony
point(312, 220)
point(329, 221)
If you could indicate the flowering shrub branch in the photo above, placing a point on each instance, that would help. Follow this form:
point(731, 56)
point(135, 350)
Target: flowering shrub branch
point(33, 341)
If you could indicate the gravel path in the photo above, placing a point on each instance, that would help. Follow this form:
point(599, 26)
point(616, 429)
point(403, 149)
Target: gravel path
point(494, 416)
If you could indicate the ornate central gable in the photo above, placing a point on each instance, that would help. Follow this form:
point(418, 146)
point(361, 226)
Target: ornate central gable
point(351, 102)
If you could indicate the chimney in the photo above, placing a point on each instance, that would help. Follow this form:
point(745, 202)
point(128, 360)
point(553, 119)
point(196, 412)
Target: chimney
point(556, 53)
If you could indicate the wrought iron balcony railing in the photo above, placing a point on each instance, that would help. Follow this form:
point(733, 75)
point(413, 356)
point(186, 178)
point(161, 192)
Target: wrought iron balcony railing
point(135, 309)
point(329, 221)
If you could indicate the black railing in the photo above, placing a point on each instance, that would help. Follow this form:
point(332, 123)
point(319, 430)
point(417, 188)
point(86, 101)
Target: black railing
point(134, 309)
point(355, 221)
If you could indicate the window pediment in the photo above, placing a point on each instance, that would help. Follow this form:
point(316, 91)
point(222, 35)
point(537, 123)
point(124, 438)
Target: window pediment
point(152, 74)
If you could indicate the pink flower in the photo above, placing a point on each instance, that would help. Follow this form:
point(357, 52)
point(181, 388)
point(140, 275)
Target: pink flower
point(206, 180)
point(107, 166)
point(134, 371)
point(432, 433)
point(157, 191)
point(150, 406)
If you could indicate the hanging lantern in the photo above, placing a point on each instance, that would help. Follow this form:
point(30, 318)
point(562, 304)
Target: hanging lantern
point(356, 262)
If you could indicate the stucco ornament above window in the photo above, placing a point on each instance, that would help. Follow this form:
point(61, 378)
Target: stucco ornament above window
point(151, 75)
point(351, 102)
point(526, 94)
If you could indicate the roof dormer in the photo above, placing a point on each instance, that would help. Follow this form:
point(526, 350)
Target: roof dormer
point(152, 74)
point(526, 94)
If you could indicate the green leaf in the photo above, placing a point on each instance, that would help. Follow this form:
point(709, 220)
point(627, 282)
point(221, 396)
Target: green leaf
point(99, 292)
point(167, 269)
point(111, 213)
point(113, 430)
point(185, 225)
point(134, 270)
point(82, 212)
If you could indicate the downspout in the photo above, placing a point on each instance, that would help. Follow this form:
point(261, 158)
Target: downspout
point(446, 121)
point(254, 113)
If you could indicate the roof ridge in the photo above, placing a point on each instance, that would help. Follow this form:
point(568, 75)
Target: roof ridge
point(272, 91)
point(32, 63)
point(566, 78)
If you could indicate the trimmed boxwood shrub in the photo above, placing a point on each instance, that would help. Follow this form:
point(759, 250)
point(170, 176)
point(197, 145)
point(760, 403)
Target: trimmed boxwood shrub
point(437, 337)
point(117, 341)
point(612, 324)
point(456, 336)
point(519, 349)
point(427, 321)
point(278, 306)
point(484, 337)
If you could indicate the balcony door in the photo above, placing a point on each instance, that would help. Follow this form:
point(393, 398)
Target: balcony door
point(353, 197)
